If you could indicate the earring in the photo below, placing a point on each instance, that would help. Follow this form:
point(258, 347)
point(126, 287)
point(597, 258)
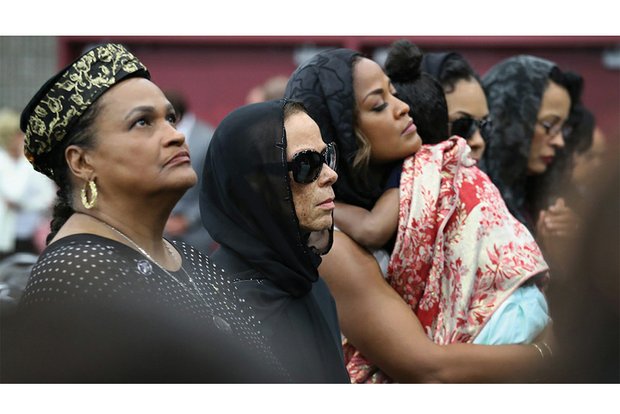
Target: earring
point(93, 194)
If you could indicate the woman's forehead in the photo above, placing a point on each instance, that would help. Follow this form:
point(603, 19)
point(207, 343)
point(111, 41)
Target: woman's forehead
point(366, 70)
point(132, 90)
point(555, 101)
point(302, 132)
point(367, 76)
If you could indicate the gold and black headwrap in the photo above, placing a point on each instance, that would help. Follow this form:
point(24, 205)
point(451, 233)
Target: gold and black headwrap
point(63, 99)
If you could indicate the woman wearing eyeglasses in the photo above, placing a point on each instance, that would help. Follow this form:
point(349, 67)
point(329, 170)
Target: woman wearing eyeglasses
point(267, 198)
point(530, 101)
point(458, 254)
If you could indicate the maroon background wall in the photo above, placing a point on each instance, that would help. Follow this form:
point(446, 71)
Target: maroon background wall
point(216, 73)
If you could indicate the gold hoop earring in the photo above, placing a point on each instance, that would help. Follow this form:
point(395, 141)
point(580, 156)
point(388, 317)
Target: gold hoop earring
point(93, 194)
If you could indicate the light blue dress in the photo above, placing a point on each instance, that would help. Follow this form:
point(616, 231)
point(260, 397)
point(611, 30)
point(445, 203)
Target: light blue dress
point(519, 320)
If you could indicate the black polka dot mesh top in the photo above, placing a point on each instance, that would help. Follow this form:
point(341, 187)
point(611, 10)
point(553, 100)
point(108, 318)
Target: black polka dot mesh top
point(89, 267)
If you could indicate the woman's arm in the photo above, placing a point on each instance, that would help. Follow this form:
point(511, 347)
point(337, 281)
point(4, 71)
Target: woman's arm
point(384, 329)
point(370, 228)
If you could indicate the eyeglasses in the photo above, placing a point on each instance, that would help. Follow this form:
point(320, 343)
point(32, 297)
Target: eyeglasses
point(307, 165)
point(552, 129)
point(466, 127)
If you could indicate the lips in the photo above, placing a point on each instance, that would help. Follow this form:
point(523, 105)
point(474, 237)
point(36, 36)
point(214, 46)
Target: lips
point(327, 204)
point(179, 158)
point(547, 160)
point(411, 127)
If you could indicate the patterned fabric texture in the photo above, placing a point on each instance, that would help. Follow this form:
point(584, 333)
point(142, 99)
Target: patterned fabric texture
point(92, 274)
point(459, 253)
point(64, 98)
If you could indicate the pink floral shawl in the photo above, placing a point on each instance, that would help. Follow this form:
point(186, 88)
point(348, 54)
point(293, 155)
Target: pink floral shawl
point(459, 253)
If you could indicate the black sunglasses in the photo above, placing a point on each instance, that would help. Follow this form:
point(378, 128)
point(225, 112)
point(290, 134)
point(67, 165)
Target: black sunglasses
point(466, 127)
point(307, 165)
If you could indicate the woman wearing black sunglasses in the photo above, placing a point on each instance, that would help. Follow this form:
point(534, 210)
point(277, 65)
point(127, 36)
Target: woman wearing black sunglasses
point(353, 103)
point(468, 111)
point(267, 198)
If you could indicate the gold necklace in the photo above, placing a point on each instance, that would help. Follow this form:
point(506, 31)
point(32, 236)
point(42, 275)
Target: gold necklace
point(148, 256)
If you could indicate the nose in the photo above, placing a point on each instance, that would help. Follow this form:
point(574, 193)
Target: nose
point(401, 108)
point(477, 145)
point(328, 176)
point(173, 136)
point(558, 140)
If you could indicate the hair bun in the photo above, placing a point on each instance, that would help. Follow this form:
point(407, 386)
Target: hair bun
point(404, 61)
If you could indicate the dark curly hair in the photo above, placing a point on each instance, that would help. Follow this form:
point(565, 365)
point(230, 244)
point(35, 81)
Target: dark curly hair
point(423, 94)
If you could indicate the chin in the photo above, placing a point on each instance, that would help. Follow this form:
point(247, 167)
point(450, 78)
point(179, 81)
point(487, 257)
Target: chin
point(319, 225)
point(415, 145)
point(185, 183)
point(537, 170)
point(189, 176)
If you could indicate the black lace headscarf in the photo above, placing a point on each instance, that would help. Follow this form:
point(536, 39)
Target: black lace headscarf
point(324, 85)
point(514, 89)
point(246, 202)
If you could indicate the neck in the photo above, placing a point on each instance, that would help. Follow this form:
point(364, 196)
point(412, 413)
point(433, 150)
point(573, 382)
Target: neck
point(140, 218)
point(144, 226)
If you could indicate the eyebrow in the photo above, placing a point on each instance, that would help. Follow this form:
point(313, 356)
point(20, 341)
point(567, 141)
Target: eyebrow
point(148, 109)
point(377, 91)
point(551, 117)
point(139, 109)
point(465, 113)
point(306, 149)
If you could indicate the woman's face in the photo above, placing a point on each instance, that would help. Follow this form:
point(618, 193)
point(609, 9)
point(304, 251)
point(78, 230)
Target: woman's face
point(381, 117)
point(314, 202)
point(548, 137)
point(138, 150)
point(467, 100)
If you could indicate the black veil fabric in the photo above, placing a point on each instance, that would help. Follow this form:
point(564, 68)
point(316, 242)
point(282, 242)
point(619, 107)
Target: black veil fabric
point(432, 63)
point(324, 85)
point(247, 206)
point(246, 202)
point(514, 90)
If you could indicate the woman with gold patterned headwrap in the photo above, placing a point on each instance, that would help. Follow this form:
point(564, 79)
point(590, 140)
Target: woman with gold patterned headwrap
point(106, 135)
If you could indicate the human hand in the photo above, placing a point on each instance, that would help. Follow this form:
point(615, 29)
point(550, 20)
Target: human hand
point(556, 230)
point(557, 222)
